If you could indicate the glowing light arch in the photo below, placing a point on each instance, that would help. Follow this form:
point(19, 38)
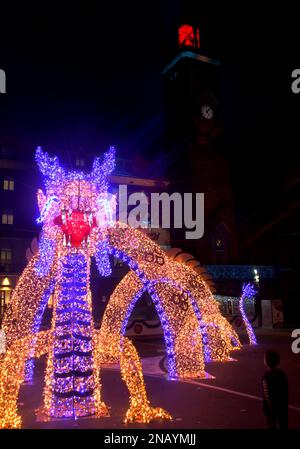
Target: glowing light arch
point(117, 314)
point(176, 334)
point(131, 288)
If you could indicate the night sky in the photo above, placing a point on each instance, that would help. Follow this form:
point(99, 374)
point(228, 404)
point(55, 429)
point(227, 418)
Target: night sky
point(88, 74)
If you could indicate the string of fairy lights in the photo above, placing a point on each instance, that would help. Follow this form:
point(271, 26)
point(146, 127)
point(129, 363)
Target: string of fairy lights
point(77, 226)
point(248, 292)
point(179, 286)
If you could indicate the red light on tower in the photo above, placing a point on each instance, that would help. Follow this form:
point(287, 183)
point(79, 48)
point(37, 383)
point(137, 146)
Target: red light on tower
point(189, 36)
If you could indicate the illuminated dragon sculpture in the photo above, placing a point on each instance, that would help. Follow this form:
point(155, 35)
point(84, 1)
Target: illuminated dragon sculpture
point(76, 215)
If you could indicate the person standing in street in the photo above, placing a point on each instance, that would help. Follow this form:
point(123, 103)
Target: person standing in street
point(275, 392)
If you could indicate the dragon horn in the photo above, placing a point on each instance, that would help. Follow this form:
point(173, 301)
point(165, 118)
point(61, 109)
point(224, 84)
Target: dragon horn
point(49, 166)
point(101, 171)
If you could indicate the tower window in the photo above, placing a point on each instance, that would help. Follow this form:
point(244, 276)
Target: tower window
point(219, 243)
point(7, 217)
point(80, 163)
point(189, 36)
point(8, 184)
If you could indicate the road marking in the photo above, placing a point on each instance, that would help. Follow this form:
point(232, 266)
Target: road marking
point(237, 393)
point(199, 384)
point(215, 387)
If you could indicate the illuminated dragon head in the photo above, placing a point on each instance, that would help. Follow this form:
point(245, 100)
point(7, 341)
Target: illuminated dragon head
point(74, 203)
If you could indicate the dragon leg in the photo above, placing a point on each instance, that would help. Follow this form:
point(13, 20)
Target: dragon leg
point(108, 350)
point(131, 371)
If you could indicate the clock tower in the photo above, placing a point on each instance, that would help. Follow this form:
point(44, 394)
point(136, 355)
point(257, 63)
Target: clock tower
point(196, 144)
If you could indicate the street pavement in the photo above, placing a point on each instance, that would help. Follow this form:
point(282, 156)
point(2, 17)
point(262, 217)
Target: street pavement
point(229, 398)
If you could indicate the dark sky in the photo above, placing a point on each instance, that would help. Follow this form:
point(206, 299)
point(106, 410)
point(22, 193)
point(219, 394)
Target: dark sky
point(88, 74)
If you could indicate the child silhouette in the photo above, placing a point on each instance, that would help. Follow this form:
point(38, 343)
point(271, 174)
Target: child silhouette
point(275, 392)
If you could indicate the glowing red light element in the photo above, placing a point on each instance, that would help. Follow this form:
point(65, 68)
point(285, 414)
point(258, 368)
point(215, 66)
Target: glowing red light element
point(188, 36)
point(76, 226)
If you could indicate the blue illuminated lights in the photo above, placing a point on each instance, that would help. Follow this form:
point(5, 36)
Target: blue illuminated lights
point(54, 174)
point(100, 172)
point(73, 381)
point(102, 258)
point(248, 292)
point(46, 209)
point(46, 255)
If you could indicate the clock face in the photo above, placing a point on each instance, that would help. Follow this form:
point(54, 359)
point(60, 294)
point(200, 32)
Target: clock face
point(207, 112)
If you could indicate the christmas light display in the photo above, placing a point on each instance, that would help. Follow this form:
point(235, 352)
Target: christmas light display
point(2, 342)
point(29, 366)
point(248, 292)
point(77, 216)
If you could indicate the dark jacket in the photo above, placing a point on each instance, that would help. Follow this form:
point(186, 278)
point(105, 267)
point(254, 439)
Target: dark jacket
point(275, 392)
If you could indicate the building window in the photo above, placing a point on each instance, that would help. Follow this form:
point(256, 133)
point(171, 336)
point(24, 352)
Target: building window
point(7, 217)
point(5, 296)
point(8, 184)
point(5, 255)
point(80, 163)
